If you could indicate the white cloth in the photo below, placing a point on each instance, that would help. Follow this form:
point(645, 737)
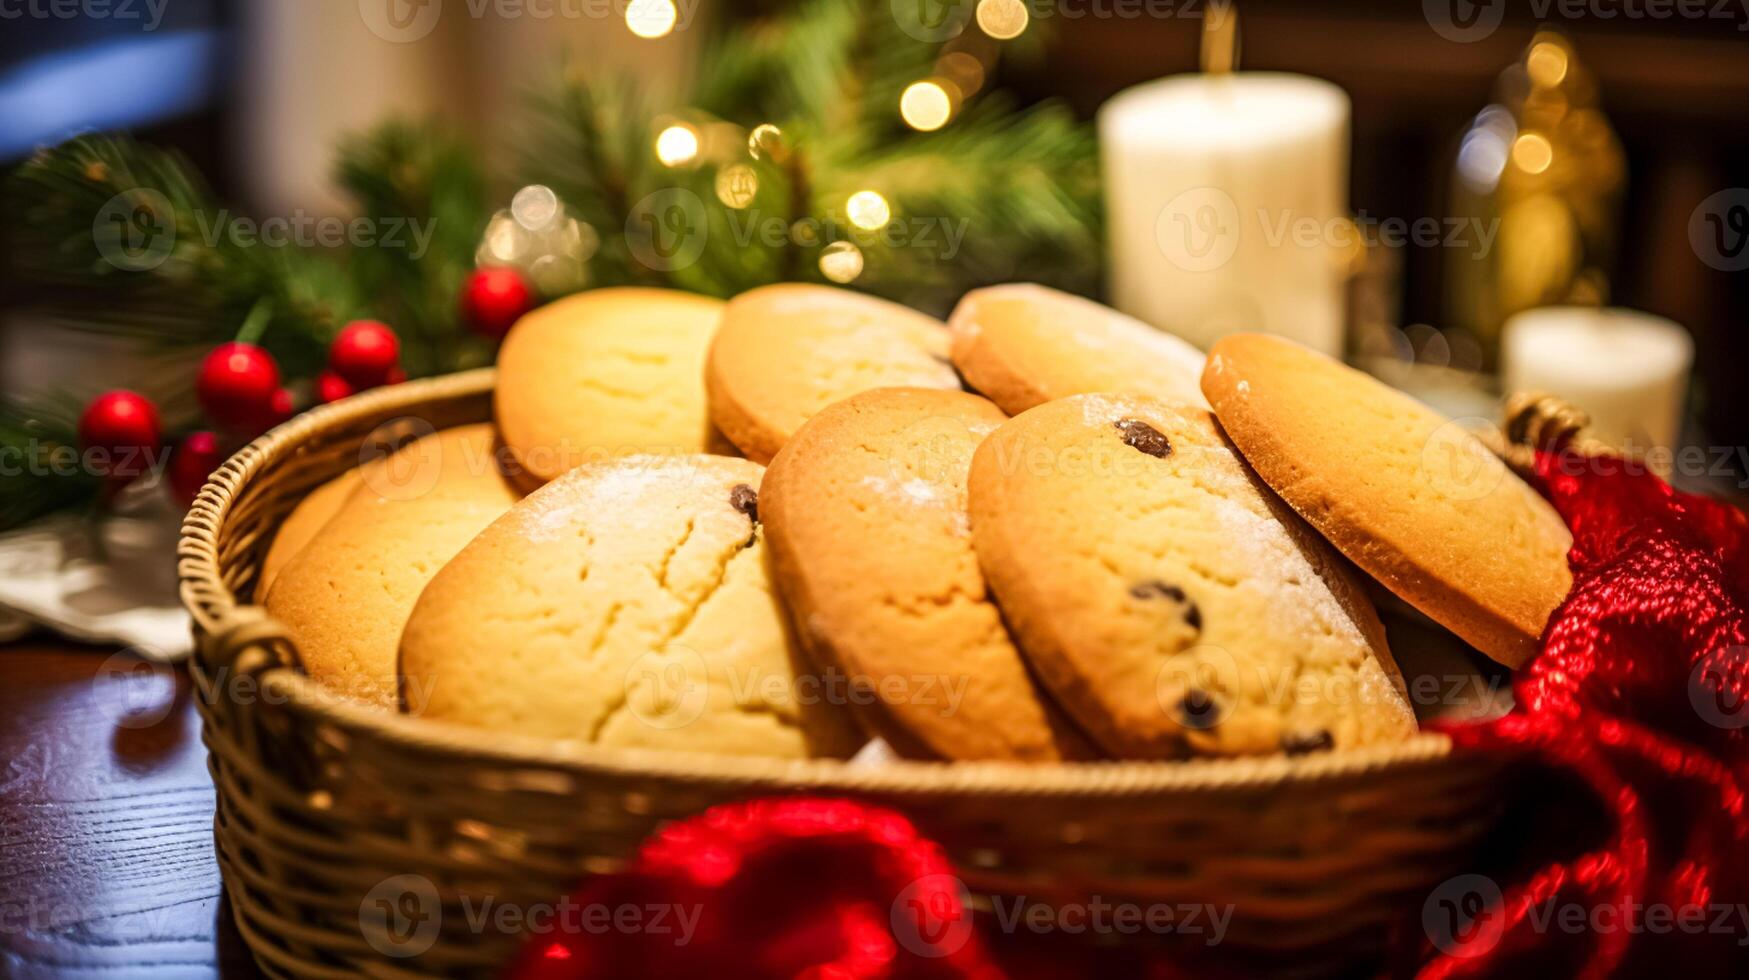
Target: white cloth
point(106, 580)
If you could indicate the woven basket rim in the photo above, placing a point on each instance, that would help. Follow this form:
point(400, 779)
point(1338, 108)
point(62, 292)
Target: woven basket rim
point(215, 608)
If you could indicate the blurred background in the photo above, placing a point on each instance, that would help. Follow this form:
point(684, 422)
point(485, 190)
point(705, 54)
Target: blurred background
point(257, 94)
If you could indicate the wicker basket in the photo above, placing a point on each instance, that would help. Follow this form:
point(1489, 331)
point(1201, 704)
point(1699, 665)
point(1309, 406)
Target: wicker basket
point(1321, 859)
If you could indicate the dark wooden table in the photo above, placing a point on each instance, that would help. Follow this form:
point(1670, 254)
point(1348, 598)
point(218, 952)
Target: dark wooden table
point(106, 809)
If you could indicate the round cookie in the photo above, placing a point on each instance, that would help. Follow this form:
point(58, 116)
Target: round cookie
point(1414, 500)
point(1022, 345)
point(605, 373)
point(1166, 598)
point(626, 603)
point(344, 597)
point(902, 610)
point(785, 352)
point(306, 519)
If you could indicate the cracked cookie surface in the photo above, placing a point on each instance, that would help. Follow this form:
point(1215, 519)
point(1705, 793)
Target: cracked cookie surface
point(865, 510)
point(785, 352)
point(1167, 599)
point(626, 603)
point(605, 373)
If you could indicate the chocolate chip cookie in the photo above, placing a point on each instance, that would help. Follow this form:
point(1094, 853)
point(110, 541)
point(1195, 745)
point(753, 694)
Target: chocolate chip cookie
point(1163, 594)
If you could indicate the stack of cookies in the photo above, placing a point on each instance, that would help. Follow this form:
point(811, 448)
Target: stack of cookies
point(805, 518)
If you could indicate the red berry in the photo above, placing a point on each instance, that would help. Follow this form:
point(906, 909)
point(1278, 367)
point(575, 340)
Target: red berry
point(279, 408)
point(364, 353)
point(396, 376)
point(237, 386)
point(120, 432)
point(331, 387)
point(493, 299)
point(194, 460)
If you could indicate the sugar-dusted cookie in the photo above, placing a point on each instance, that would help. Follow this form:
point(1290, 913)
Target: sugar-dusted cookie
point(606, 373)
point(310, 515)
point(626, 603)
point(1023, 345)
point(1166, 598)
point(865, 512)
point(785, 352)
point(1413, 499)
point(344, 596)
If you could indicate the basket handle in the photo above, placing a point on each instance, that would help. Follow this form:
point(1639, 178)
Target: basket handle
point(246, 641)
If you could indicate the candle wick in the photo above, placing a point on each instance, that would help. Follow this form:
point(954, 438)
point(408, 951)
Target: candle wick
point(1220, 38)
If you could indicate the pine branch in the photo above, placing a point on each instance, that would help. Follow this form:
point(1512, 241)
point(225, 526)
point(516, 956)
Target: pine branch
point(424, 193)
point(40, 470)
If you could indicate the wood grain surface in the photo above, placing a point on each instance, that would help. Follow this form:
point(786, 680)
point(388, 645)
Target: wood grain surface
point(106, 849)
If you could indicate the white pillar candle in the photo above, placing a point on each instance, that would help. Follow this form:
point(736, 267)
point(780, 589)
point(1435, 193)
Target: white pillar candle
point(1227, 201)
point(1627, 370)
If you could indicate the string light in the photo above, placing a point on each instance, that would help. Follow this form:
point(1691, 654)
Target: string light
point(1003, 20)
point(677, 145)
point(841, 262)
point(965, 71)
point(925, 106)
point(737, 185)
point(1532, 152)
point(535, 207)
point(868, 210)
point(766, 140)
point(651, 18)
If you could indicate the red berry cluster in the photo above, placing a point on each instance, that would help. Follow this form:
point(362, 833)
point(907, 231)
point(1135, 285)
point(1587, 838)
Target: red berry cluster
point(239, 390)
point(366, 354)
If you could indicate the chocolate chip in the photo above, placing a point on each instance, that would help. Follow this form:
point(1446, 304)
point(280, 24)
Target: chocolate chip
point(1142, 437)
point(1305, 743)
point(746, 500)
point(1164, 590)
point(1199, 710)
